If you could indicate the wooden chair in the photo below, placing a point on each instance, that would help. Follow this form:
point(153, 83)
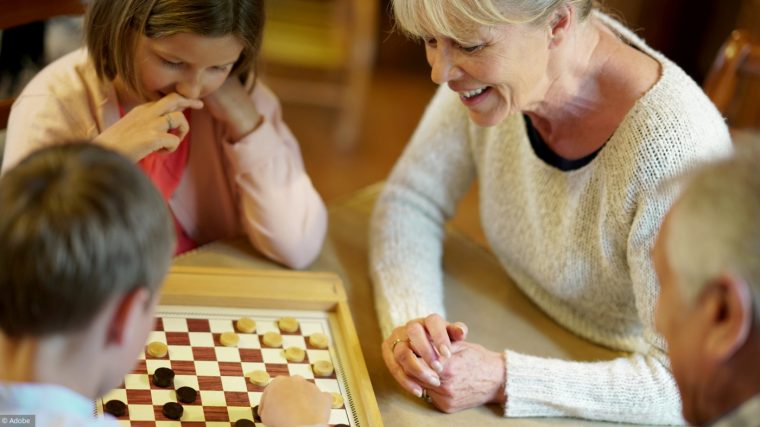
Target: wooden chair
point(20, 12)
point(320, 53)
point(733, 83)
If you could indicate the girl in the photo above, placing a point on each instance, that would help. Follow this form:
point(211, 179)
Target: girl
point(171, 84)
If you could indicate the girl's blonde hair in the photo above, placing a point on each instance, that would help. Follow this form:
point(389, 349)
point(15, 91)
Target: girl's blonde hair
point(113, 29)
point(455, 19)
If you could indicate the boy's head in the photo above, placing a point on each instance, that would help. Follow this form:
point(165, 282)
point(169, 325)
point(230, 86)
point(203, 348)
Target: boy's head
point(707, 258)
point(83, 233)
point(117, 31)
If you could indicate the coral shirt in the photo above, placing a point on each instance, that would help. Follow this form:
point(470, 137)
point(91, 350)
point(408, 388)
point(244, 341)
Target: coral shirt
point(165, 170)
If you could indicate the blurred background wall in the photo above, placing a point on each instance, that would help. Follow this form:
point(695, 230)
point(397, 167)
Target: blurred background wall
point(353, 89)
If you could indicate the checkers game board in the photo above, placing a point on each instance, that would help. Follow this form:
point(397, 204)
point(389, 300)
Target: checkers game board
point(219, 373)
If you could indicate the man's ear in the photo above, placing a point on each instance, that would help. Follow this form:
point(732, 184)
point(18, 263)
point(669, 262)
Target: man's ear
point(727, 304)
point(559, 24)
point(130, 307)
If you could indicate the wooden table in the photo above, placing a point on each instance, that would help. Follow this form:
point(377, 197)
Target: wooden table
point(504, 317)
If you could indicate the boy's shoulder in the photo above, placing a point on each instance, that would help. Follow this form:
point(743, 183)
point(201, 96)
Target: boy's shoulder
point(48, 405)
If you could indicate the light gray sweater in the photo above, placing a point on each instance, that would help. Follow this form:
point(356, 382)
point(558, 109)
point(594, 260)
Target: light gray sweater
point(577, 243)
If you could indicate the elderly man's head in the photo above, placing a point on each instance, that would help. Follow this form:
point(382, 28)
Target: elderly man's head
point(707, 258)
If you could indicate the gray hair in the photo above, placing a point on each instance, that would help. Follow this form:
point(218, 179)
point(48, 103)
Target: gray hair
point(455, 18)
point(715, 225)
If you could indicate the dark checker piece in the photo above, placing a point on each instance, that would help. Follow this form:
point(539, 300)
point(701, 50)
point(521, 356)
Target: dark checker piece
point(256, 416)
point(244, 423)
point(116, 408)
point(186, 394)
point(173, 410)
point(163, 377)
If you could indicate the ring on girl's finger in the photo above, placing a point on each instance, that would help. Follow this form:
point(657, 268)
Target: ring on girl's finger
point(169, 121)
point(425, 396)
point(396, 342)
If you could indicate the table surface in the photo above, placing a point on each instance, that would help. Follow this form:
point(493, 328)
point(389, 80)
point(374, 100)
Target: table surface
point(473, 278)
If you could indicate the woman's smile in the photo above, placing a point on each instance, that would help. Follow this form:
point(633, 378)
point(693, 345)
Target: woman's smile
point(474, 97)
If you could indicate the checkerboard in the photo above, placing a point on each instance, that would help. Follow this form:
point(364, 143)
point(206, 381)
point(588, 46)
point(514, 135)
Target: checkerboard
point(218, 372)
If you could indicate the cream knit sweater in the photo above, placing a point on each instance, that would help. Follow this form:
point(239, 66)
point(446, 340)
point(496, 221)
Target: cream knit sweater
point(577, 243)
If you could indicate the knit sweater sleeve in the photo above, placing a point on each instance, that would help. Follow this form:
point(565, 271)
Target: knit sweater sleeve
point(638, 389)
point(406, 228)
point(280, 210)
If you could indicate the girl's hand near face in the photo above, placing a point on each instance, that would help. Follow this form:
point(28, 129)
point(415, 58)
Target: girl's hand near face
point(149, 127)
point(232, 105)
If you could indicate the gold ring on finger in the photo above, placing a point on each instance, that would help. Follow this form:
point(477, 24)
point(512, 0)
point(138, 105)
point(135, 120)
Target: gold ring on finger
point(169, 121)
point(425, 396)
point(396, 342)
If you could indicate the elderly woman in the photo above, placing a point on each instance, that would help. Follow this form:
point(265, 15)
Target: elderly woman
point(570, 122)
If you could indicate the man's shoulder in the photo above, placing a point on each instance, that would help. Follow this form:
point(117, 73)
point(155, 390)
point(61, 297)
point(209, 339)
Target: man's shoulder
point(48, 405)
point(746, 415)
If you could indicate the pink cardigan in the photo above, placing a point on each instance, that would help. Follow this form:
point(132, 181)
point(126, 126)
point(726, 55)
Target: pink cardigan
point(257, 186)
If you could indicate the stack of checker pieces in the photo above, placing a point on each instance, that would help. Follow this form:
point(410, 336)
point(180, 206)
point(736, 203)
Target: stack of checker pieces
point(229, 376)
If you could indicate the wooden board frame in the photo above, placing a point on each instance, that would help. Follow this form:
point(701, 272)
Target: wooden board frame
point(287, 290)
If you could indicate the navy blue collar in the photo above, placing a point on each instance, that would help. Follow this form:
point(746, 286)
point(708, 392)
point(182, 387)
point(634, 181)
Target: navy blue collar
point(545, 153)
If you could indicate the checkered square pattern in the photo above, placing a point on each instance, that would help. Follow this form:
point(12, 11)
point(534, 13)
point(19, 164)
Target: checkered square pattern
point(219, 373)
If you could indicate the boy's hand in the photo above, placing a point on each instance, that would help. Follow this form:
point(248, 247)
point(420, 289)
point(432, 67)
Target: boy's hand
point(293, 401)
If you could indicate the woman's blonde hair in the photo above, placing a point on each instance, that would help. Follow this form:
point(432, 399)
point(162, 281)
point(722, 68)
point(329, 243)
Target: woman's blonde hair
point(113, 29)
point(456, 18)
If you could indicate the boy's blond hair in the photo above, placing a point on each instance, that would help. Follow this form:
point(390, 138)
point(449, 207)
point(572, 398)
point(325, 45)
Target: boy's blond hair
point(79, 225)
